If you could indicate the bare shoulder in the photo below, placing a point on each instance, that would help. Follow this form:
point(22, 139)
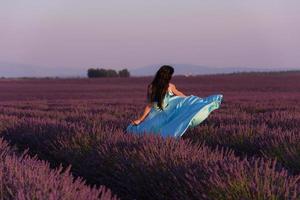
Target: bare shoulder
point(171, 86)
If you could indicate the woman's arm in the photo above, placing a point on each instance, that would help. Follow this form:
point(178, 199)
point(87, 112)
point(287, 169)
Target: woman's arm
point(144, 115)
point(175, 91)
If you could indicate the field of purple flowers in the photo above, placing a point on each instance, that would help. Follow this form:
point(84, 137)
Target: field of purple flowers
point(247, 149)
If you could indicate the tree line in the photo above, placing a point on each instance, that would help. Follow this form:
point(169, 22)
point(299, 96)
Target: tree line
point(95, 73)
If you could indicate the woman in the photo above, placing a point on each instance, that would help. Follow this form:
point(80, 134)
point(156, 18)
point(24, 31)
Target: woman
point(168, 111)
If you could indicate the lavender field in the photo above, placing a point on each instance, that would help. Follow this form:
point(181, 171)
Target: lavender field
point(64, 138)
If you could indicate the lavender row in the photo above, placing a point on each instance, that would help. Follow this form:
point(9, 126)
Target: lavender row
point(249, 128)
point(258, 85)
point(150, 167)
point(25, 177)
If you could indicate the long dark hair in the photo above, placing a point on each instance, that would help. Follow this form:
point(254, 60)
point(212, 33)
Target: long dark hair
point(157, 89)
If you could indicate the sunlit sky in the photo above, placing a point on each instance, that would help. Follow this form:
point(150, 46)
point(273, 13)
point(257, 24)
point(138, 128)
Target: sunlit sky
point(137, 33)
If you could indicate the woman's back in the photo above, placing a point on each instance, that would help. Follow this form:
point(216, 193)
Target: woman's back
point(166, 98)
point(165, 101)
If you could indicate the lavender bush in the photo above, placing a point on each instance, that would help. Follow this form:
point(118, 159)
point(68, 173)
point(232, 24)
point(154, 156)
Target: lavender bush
point(23, 177)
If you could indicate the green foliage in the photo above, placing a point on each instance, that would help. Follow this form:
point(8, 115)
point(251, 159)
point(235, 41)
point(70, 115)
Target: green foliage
point(95, 73)
point(124, 73)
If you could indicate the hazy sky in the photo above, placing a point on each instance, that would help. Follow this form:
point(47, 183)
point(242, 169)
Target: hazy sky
point(134, 33)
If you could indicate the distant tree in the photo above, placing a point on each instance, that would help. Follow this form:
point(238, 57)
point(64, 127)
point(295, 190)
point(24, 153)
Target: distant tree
point(124, 73)
point(91, 73)
point(112, 73)
point(101, 73)
point(95, 73)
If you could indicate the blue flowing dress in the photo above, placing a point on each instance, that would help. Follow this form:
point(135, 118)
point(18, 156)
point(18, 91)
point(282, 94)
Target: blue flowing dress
point(178, 114)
